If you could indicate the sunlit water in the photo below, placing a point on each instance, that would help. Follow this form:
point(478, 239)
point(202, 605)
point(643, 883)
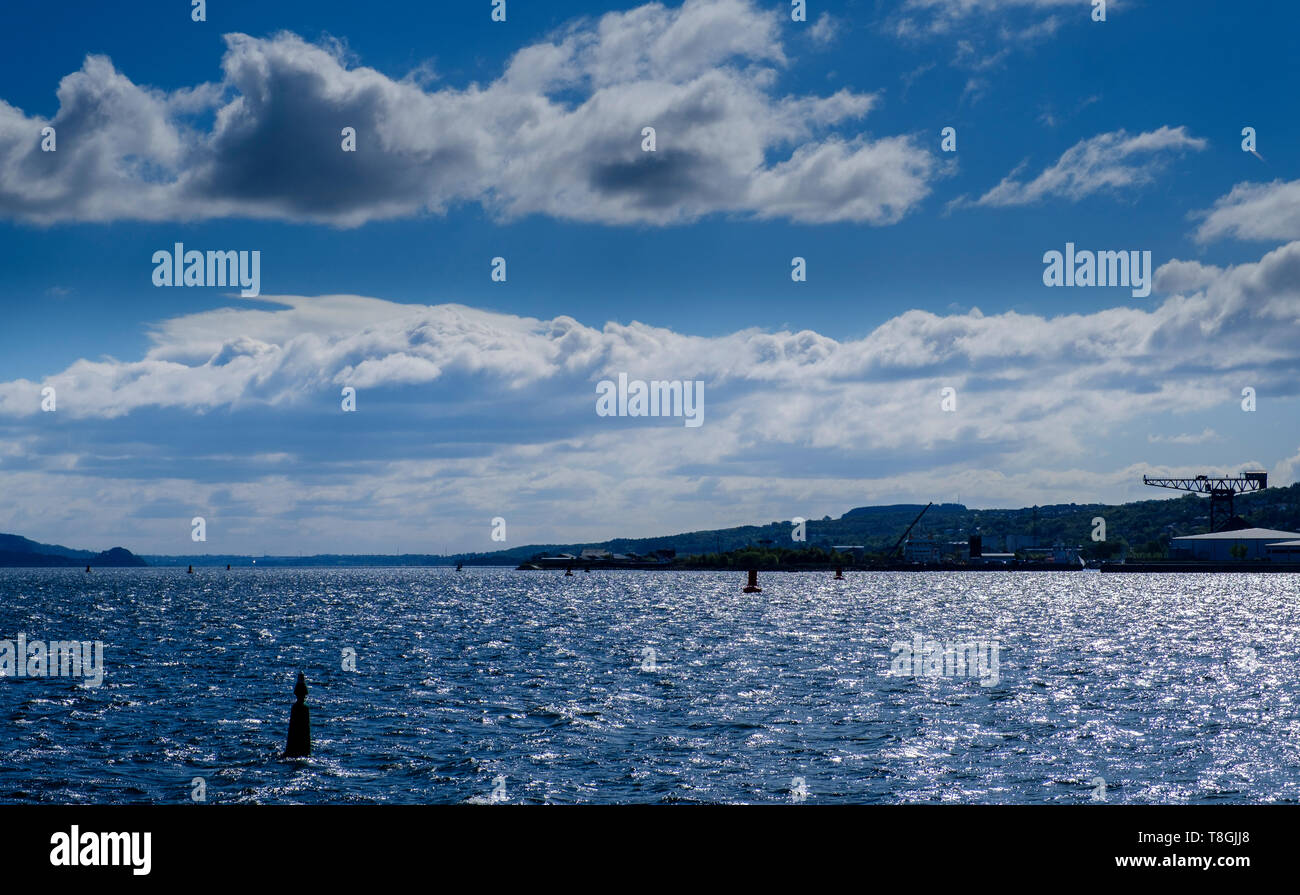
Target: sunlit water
point(540, 688)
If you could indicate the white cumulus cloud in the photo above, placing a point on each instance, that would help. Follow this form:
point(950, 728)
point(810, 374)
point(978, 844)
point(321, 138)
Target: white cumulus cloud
point(1254, 211)
point(559, 133)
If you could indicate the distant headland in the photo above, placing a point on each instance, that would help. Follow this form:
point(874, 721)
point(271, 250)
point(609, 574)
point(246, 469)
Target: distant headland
point(19, 552)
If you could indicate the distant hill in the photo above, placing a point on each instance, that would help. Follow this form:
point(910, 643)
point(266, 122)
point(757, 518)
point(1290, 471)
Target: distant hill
point(1139, 529)
point(19, 552)
point(19, 544)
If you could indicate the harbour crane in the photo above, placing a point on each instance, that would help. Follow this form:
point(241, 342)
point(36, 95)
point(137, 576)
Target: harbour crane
point(1220, 488)
point(903, 537)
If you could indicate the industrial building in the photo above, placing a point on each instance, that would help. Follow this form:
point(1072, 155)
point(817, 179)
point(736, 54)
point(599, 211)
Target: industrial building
point(929, 551)
point(1021, 542)
point(1283, 551)
point(1058, 553)
point(1218, 546)
point(925, 550)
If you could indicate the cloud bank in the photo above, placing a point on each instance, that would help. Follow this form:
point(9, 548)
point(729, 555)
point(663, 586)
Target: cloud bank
point(467, 414)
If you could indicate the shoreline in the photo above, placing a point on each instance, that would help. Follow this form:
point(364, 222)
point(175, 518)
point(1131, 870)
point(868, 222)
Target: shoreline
point(1242, 568)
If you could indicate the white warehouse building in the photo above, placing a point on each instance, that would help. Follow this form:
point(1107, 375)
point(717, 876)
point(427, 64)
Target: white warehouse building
point(1284, 551)
point(1217, 546)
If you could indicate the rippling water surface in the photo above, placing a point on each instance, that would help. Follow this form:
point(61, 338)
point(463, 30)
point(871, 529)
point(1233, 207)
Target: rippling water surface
point(1170, 688)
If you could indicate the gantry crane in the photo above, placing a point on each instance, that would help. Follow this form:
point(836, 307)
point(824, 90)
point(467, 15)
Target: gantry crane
point(1220, 488)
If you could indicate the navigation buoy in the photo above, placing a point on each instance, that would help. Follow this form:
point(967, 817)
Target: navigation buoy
point(227, 567)
point(568, 573)
point(839, 574)
point(299, 744)
point(459, 566)
point(190, 570)
point(87, 570)
point(752, 587)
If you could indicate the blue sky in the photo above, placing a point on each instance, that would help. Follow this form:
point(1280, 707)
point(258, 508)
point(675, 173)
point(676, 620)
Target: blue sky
point(521, 139)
